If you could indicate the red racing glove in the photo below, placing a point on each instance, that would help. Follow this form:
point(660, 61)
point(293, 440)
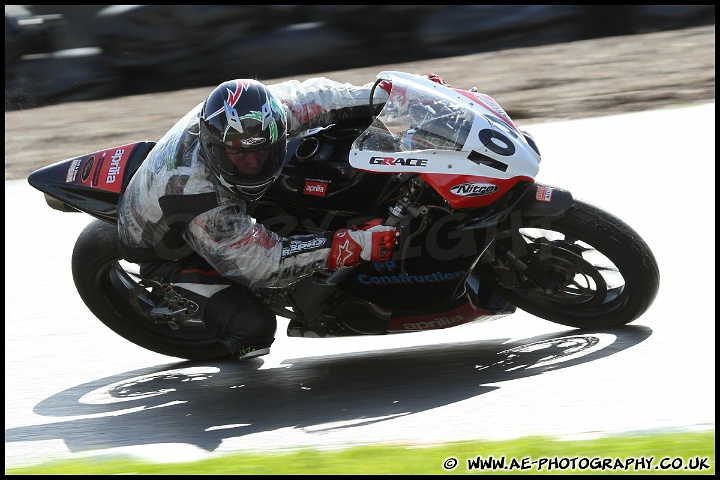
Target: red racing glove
point(372, 242)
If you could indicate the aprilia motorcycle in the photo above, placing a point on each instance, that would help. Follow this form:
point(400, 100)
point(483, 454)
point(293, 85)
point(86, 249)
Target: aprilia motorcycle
point(480, 237)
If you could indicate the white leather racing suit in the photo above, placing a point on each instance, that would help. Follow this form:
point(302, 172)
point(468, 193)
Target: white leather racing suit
point(175, 206)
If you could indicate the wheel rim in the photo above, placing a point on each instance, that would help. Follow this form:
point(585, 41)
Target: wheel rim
point(571, 271)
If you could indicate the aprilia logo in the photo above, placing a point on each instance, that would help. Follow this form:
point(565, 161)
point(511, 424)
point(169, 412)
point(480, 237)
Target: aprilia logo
point(474, 189)
point(115, 167)
point(318, 189)
point(440, 322)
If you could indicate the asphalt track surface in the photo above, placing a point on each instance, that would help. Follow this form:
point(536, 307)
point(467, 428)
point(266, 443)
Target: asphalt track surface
point(74, 388)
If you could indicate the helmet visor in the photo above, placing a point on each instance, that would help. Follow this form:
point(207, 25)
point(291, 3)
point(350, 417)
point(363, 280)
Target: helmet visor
point(249, 167)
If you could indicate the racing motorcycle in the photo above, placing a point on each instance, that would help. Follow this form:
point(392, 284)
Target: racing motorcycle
point(480, 237)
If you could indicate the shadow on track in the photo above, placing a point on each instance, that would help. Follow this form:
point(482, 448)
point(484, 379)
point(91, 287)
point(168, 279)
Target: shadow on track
point(204, 403)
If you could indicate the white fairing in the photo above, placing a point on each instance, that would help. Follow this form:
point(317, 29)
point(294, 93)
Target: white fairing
point(426, 127)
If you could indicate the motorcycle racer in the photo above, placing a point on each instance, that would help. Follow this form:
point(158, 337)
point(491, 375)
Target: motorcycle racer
point(185, 214)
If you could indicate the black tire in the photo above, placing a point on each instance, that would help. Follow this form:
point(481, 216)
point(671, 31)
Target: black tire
point(113, 294)
point(598, 273)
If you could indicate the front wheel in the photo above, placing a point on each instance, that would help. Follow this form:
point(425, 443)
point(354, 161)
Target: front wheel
point(111, 290)
point(586, 269)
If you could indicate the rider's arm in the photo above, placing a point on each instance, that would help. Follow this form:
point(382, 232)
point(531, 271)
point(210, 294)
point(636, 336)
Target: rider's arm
point(318, 102)
point(243, 250)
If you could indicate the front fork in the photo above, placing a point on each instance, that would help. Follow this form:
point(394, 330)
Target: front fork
point(538, 206)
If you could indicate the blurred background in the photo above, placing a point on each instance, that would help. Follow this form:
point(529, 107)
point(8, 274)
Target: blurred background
point(63, 53)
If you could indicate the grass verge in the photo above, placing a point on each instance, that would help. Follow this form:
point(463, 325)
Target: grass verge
point(677, 453)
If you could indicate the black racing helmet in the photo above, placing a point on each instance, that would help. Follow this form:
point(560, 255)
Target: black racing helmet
point(243, 136)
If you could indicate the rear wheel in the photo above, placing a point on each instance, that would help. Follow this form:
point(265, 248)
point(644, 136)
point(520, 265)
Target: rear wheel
point(111, 290)
point(586, 269)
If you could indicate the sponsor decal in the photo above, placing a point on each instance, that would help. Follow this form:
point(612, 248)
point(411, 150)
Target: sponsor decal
point(87, 168)
point(318, 189)
point(474, 189)
point(407, 279)
point(73, 170)
point(294, 247)
point(115, 168)
point(252, 142)
point(98, 169)
point(432, 323)
point(407, 162)
point(388, 275)
point(103, 169)
point(463, 314)
point(544, 194)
